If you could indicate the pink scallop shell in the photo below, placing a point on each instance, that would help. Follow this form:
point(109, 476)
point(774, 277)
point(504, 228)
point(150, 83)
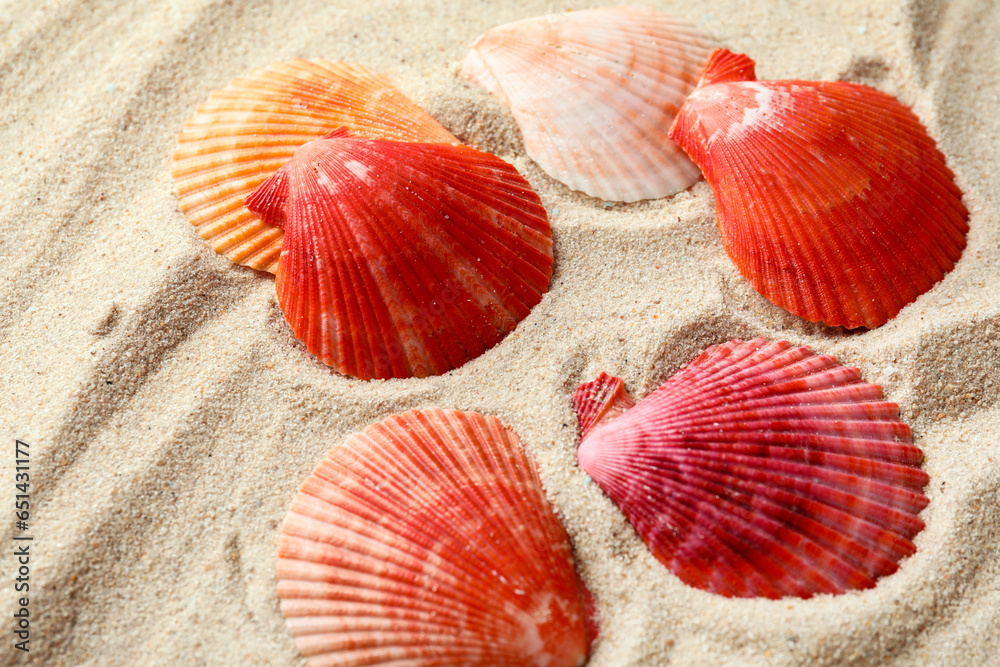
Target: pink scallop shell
point(833, 200)
point(403, 259)
point(594, 93)
point(427, 540)
point(762, 470)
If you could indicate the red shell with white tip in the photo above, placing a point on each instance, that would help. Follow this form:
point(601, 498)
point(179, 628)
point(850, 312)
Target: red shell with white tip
point(427, 540)
point(403, 259)
point(762, 470)
point(832, 199)
point(594, 93)
point(245, 131)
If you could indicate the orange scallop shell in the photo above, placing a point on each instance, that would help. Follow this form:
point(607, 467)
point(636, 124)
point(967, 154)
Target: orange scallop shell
point(245, 131)
point(832, 199)
point(404, 259)
point(759, 470)
point(427, 540)
point(594, 93)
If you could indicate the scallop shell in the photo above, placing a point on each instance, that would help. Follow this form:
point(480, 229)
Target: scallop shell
point(832, 199)
point(594, 92)
point(761, 470)
point(427, 540)
point(599, 401)
point(404, 259)
point(245, 131)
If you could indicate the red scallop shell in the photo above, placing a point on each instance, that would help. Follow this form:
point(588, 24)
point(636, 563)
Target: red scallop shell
point(403, 259)
point(599, 401)
point(762, 470)
point(832, 199)
point(427, 540)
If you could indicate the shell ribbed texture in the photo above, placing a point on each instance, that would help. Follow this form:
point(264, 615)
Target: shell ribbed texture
point(832, 199)
point(427, 540)
point(765, 470)
point(404, 259)
point(245, 131)
point(599, 401)
point(594, 93)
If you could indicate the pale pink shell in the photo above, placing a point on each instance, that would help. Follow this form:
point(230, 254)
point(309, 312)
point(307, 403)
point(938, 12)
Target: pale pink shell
point(427, 540)
point(594, 93)
point(761, 470)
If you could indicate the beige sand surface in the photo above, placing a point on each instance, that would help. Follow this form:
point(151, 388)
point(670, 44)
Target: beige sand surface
point(171, 414)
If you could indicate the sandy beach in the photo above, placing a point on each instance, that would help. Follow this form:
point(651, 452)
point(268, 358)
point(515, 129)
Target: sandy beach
point(171, 415)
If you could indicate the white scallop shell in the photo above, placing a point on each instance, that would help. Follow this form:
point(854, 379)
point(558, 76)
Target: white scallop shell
point(594, 93)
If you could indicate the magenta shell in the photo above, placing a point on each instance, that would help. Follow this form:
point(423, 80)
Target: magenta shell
point(760, 470)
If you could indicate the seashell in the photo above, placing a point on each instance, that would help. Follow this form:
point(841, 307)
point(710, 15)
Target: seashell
point(594, 92)
point(245, 131)
point(427, 540)
point(599, 401)
point(403, 259)
point(832, 199)
point(761, 470)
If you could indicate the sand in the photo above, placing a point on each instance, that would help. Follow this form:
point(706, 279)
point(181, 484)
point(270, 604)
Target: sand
point(171, 415)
